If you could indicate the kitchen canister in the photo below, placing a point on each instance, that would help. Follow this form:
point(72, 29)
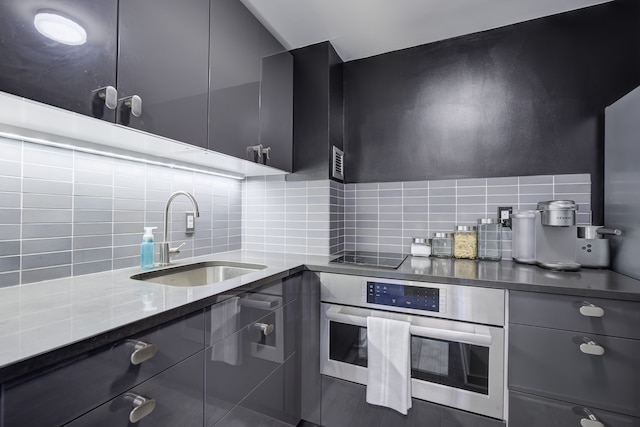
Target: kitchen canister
point(442, 245)
point(420, 247)
point(465, 242)
point(489, 239)
point(523, 237)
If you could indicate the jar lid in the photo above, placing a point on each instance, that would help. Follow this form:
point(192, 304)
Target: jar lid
point(523, 214)
point(487, 221)
point(441, 235)
point(557, 205)
point(465, 228)
point(421, 240)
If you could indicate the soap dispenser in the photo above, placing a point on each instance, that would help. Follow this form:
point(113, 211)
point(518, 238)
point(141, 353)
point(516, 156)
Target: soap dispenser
point(147, 249)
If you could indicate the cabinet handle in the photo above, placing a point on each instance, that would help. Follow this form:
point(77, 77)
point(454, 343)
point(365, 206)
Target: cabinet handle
point(265, 328)
point(266, 154)
point(591, 347)
point(142, 352)
point(142, 406)
point(589, 310)
point(133, 104)
point(592, 421)
point(109, 95)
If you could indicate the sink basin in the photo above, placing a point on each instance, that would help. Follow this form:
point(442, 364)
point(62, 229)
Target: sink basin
point(199, 274)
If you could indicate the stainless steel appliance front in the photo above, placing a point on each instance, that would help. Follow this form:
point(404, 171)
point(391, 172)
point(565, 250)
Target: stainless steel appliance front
point(457, 337)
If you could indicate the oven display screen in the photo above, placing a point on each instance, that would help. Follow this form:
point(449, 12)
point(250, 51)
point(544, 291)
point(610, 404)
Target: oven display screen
point(415, 297)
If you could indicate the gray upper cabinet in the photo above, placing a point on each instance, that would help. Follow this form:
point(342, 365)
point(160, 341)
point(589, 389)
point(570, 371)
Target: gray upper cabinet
point(234, 87)
point(163, 58)
point(276, 103)
point(250, 88)
point(59, 69)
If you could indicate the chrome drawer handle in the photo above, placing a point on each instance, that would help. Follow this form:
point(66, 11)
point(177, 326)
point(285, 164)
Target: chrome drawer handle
point(591, 347)
point(265, 328)
point(592, 421)
point(590, 310)
point(133, 104)
point(109, 95)
point(142, 406)
point(142, 352)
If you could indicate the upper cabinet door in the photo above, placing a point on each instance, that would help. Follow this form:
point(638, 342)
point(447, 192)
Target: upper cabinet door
point(234, 90)
point(276, 103)
point(163, 64)
point(66, 58)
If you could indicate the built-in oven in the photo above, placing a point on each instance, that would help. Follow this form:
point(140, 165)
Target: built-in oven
point(457, 344)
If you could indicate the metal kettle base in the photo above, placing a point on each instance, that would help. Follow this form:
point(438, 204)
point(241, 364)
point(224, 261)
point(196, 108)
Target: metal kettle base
point(559, 266)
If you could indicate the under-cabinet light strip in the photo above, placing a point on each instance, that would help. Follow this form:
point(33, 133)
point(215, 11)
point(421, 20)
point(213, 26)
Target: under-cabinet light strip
point(116, 155)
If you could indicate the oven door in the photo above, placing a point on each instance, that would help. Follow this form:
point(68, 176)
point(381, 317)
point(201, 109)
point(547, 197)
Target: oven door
point(453, 363)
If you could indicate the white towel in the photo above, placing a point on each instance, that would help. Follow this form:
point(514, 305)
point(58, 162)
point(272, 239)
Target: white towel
point(389, 365)
point(224, 324)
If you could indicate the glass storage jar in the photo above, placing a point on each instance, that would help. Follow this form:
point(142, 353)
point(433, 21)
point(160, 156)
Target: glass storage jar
point(489, 239)
point(465, 242)
point(420, 247)
point(442, 245)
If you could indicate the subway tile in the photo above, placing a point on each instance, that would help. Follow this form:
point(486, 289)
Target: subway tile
point(51, 259)
point(442, 208)
point(92, 229)
point(499, 181)
point(50, 173)
point(82, 269)
point(47, 156)
point(11, 169)
point(93, 177)
point(38, 275)
point(47, 201)
point(471, 182)
point(118, 252)
point(35, 231)
point(444, 183)
point(10, 184)
point(47, 187)
point(390, 186)
point(119, 263)
point(10, 200)
point(92, 162)
point(409, 192)
point(9, 279)
point(42, 216)
point(9, 248)
point(508, 200)
point(572, 188)
point(92, 216)
point(92, 255)
point(471, 191)
point(438, 192)
point(33, 246)
point(88, 242)
point(91, 190)
point(578, 178)
point(10, 216)
point(535, 179)
point(471, 200)
point(10, 231)
point(534, 198)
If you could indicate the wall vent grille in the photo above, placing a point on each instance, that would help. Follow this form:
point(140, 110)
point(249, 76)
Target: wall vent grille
point(337, 170)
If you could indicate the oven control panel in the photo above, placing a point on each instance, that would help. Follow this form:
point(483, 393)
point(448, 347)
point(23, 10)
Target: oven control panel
point(415, 297)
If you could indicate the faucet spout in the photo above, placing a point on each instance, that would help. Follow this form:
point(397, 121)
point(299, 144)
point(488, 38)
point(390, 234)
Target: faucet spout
point(165, 249)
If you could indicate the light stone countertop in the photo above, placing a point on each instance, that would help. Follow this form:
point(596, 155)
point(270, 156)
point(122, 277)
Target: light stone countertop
point(45, 322)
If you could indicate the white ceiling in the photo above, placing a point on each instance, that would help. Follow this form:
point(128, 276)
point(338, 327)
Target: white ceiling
point(362, 28)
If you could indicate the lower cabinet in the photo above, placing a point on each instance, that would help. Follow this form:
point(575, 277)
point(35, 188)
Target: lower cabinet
point(534, 411)
point(344, 405)
point(573, 361)
point(231, 364)
point(171, 398)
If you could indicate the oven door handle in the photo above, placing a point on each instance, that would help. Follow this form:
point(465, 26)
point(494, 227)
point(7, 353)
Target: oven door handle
point(473, 338)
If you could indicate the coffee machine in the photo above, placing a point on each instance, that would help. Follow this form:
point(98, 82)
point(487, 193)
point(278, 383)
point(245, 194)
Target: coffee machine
point(555, 232)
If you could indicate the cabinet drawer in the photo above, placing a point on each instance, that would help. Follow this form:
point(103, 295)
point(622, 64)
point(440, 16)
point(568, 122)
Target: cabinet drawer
point(619, 318)
point(177, 394)
point(71, 388)
point(550, 362)
point(237, 364)
point(532, 411)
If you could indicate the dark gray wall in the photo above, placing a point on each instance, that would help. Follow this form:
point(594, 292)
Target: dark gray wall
point(520, 100)
point(317, 110)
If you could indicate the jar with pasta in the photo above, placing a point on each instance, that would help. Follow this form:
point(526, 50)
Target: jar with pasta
point(465, 242)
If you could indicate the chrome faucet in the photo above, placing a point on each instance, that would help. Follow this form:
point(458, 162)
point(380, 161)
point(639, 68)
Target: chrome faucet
point(166, 251)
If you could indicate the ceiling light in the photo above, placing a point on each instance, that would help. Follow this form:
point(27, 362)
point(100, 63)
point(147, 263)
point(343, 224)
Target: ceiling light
point(61, 29)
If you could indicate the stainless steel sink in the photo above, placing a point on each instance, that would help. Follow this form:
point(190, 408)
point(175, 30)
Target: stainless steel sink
point(199, 274)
